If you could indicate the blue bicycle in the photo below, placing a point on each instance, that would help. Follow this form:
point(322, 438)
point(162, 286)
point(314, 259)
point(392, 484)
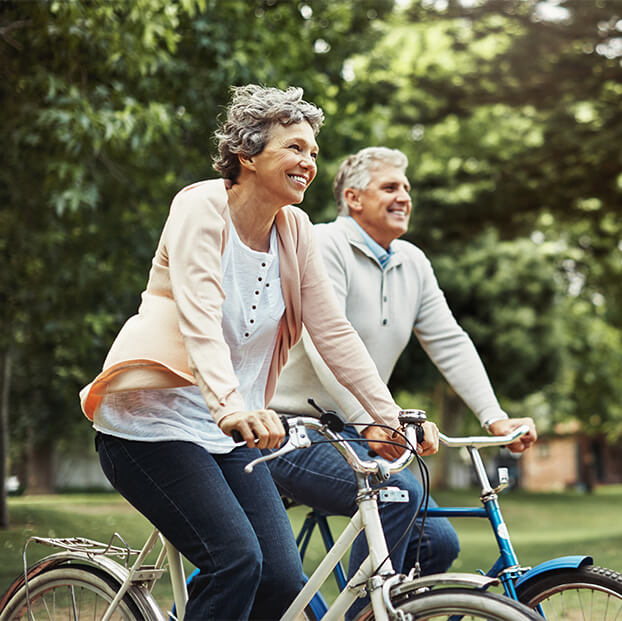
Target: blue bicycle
point(568, 588)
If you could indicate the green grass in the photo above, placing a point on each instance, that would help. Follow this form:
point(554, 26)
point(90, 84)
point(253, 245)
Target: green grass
point(94, 516)
point(542, 526)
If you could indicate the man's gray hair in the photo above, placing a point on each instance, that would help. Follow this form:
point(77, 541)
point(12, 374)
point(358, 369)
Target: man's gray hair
point(253, 111)
point(355, 171)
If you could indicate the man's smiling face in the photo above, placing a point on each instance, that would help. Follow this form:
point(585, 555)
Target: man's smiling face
point(383, 207)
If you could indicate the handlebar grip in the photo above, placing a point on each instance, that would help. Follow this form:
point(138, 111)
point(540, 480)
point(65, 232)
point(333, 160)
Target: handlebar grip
point(237, 436)
point(285, 422)
point(420, 434)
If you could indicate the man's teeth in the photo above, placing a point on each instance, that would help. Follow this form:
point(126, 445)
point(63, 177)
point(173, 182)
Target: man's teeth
point(299, 179)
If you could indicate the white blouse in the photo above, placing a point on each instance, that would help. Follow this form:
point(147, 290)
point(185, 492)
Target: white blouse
point(252, 310)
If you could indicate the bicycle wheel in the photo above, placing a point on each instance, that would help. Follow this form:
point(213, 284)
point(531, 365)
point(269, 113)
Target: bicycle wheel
point(587, 593)
point(467, 604)
point(71, 592)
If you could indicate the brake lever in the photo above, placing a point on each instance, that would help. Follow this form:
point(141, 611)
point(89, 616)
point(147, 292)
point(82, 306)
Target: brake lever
point(298, 438)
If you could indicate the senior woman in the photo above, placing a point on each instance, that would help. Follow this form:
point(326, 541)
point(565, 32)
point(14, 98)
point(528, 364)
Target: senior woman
point(235, 276)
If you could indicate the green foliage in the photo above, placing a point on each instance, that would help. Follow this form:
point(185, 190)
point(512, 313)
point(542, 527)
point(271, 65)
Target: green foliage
point(513, 110)
point(510, 117)
point(505, 294)
point(85, 137)
point(109, 109)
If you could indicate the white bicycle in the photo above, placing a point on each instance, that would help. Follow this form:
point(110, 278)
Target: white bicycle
point(101, 582)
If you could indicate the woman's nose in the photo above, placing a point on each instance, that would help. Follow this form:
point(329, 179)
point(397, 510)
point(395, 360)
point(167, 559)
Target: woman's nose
point(308, 162)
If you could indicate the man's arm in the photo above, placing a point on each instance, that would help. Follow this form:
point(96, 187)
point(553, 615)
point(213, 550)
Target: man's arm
point(451, 349)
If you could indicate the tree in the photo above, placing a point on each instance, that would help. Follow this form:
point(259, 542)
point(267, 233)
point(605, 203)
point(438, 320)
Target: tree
point(85, 137)
point(510, 114)
point(108, 112)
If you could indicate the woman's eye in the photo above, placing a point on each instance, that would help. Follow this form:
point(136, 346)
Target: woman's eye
point(314, 156)
point(294, 146)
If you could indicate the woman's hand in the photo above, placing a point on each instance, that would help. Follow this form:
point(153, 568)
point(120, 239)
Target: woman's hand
point(258, 428)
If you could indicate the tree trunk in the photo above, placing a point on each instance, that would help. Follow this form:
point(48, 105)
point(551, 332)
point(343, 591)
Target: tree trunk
point(41, 469)
point(4, 436)
point(451, 412)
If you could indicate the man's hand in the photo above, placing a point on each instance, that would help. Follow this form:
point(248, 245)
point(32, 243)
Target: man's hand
point(429, 446)
point(258, 428)
point(375, 435)
point(377, 438)
point(508, 425)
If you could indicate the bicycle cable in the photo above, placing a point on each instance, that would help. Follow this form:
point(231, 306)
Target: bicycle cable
point(423, 504)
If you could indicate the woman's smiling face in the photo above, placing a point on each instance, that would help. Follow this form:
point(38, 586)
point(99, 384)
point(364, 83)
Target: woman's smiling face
point(287, 164)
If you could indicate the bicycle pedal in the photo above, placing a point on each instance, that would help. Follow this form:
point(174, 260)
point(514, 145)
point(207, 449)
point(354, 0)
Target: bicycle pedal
point(393, 494)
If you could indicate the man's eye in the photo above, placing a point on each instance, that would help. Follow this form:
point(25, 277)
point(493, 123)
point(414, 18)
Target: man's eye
point(314, 156)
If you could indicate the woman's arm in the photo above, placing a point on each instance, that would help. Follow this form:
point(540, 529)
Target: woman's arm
point(339, 345)
point(193, 242)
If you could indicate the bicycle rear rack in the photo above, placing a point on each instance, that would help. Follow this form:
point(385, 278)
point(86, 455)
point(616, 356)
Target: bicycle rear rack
point(90, 547)
point(145, 575)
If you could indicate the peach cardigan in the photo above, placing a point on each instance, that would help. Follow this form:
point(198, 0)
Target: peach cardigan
point(176, 339)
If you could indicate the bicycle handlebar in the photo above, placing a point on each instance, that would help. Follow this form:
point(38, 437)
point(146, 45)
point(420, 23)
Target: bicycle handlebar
point(298, 438)
point(411, 421)
point(483, 441)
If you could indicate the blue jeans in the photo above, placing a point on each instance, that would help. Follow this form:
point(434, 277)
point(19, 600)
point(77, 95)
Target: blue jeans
point(321, 478)
point(231, 525)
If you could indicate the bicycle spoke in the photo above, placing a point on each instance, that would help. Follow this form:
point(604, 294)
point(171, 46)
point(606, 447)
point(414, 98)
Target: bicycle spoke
point(72, 593)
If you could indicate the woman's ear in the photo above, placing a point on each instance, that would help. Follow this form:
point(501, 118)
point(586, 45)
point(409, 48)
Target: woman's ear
point(246, 161)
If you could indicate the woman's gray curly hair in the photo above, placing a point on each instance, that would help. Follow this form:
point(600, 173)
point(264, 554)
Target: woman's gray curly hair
point(355, 171)
point(253, 111)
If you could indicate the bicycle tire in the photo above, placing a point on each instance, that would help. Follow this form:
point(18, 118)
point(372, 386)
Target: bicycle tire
point(84, 590)
point(468, 604)
point(589, 593)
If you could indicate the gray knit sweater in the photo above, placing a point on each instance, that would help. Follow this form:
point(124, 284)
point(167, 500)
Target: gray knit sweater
point(385, 307)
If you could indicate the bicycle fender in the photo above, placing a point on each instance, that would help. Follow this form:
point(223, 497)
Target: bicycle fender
point(103, 563)
point(40, 566)
point(474, 581)
point(17, 584)
point(562, 562)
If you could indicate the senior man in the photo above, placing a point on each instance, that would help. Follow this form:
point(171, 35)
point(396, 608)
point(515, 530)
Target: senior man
point(388, 291)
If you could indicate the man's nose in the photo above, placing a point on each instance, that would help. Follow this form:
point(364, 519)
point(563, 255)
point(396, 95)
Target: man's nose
point(403, 196)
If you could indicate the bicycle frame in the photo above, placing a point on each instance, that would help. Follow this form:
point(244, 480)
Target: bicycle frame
point(506, 568)
point(366, 518)
point(375, 577)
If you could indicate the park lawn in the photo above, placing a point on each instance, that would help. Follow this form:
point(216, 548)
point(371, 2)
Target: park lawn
point(542, 526)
